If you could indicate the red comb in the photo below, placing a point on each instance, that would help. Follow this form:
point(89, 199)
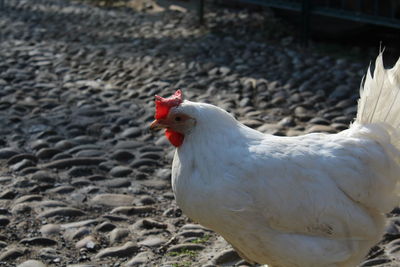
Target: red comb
point(163, 105)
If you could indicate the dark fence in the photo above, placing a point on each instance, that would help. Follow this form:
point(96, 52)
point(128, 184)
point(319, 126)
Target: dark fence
point(377, 12)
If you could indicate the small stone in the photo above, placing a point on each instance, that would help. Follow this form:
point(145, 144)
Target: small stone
point(84, 140)
point(47, 153)
point(164, 174)
point(25, 163)
point(39, 241)
point(7, 152)
point(252, 123)
point(21, 208)
point(64, 189)
point(90, 153)
point(375, 262)
point(131, 132)
point(287, 122)
point(28, 198)
point(340, 126)
point(64, 145)
point(226, 257)
point(320, 129)
point(122, 155)
point(48, 253)
point(105, 227)
point(144, 162)
point(269, 128)
point(132, 210)
point(116, 183)
point(185, 247)
point(152, 241)
point(140, 259)
point(126, 250)
point(120, 171)
point(44, 177)
point(80, 224)
point(118, 234)
point(65, 163)
point(39, 144)
point(73, 233)
point(50, 229)
point(8, 194)
point(112, 200)
point(50, 204)
point(63, 211)
point(32, 263)
point(192, 233)
point(318, 120)
point(150, 223)
point(4, 220)
point(340, 92)
point(11, 253)
point(17, 158)
point(147, 200)
point(88, 242)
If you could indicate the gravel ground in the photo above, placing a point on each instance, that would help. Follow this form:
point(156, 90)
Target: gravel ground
point(83, 181)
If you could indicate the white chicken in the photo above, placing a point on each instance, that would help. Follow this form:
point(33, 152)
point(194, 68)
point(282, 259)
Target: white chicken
point(309, 201)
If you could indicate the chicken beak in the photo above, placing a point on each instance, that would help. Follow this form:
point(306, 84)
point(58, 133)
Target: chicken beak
point(157, 125)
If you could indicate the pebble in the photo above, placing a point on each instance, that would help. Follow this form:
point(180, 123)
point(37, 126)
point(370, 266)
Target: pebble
point(76, 233)
point(120, 171)
point(8, 194)
point(112, 200)
point(131, 132)
point(4, 220)
point(152, 241)
point(118, 234)
point(44, 177)
point(6, 152)
point(320, 129)
point(225, 257)
point(64, 163)
point(50, 229)
point(11, 254)
point(132, 210)
point(80, 224)
point(186, 247)
point(122, 155)
point(47, 153)
point(62, 211)
point(140, 259)
point(39, 241)
point(28, 198)
point(32, 263)
point(17, 158)
point(88, 242)
point(126, 250)
point(23, 164)
point(105, 227)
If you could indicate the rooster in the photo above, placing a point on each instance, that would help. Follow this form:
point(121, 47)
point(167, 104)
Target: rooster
point(308, 201)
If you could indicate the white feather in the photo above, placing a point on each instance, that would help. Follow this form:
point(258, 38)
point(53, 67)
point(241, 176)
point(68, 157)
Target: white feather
point(313, 200)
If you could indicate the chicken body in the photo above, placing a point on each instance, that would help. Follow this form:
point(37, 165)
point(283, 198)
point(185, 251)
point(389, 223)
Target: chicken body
point(313, 200)
point(309, 201)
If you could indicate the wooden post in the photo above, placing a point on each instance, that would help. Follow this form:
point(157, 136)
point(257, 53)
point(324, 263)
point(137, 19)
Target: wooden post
point(200, 10)
point(305, 14)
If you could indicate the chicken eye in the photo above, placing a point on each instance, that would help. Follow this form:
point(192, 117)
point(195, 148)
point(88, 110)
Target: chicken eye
point(177, 118)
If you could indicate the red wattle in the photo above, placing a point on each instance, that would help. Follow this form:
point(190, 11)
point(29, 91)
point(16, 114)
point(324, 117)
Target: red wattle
point(175, 138)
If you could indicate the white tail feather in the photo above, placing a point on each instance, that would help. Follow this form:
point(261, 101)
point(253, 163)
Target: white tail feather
point(380, 97)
